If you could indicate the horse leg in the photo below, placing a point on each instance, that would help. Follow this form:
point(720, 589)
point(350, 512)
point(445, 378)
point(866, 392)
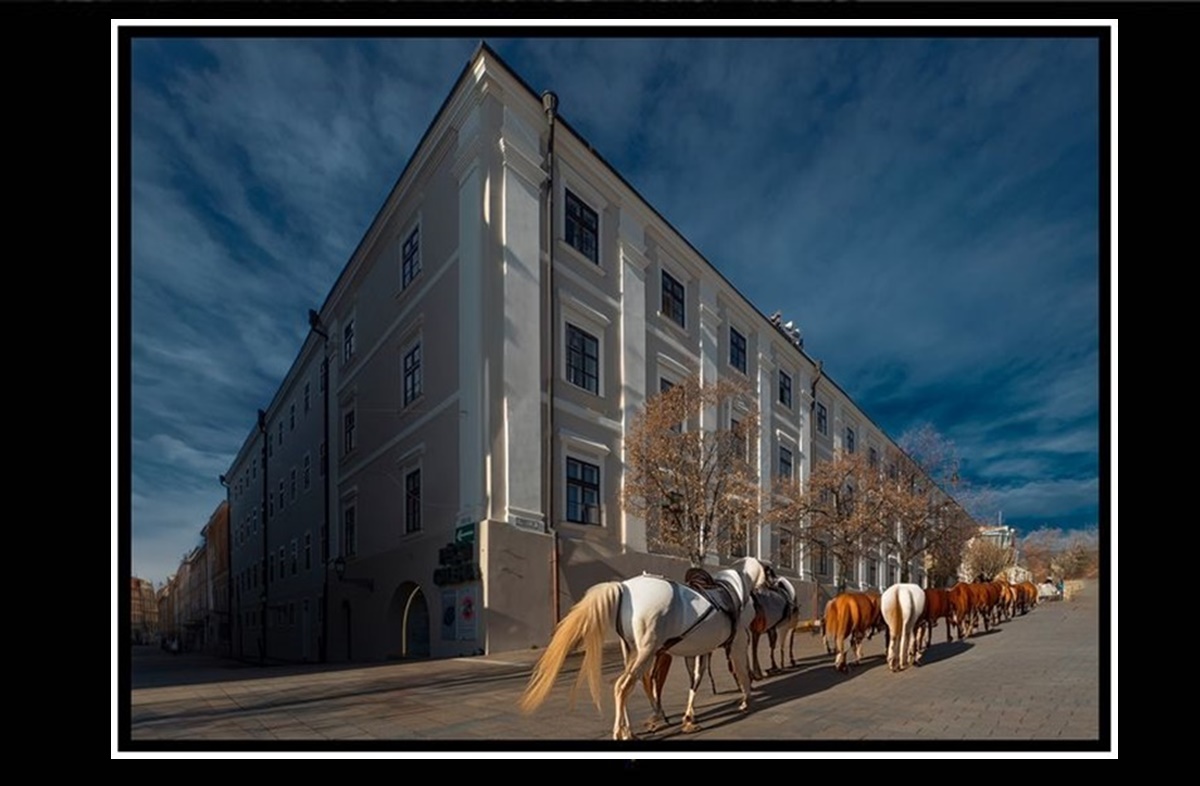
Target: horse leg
point(632, 673)
point(696, 667)
point(756, 670)
point(741, 669)
point(708, 668)
point(653, 681)
point(772, 641)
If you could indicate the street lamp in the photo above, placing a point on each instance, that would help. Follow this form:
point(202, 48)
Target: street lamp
point(339, 568)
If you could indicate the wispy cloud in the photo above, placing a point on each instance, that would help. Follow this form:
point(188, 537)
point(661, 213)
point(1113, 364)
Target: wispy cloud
point(925, 209)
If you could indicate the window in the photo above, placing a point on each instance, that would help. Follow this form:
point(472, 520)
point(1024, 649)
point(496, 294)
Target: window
point(672, 299)
point(323, 459)
point(410, 258)
point(348, 432)
point(281, 432)
point(873, 457)
point(271, 569)
point(307, 385)
point(785, 463)
point(786, 547)
point(349, 531)
point(822, 419)
point(663, 386)
point(292, 487)
point(737, 350)
point(323, 378)
point(270, 505)
point(307, 471)
point(822, 559)
point(282, 562)
point(582, 228)
point(849, 440)
point(583, 359)
point(348, 341)
point(292, 418)
point(873, 572)
point(281, 495)
point(735, 426)
point(308, 551)
point(891, 574)
point(412, 501)
point(583, 492)
point(785, 389)
point(412, 374)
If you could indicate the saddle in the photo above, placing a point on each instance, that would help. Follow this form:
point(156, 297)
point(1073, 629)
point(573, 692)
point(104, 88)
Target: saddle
point(719, 598)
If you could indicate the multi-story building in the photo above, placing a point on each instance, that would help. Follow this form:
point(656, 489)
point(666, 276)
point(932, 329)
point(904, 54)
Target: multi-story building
point(439, 472)
point(143, 617)
point(215, 600)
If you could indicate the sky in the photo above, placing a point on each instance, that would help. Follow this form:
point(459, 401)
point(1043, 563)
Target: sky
point(925, 209)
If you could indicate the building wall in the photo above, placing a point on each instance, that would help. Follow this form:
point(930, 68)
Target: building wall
point(492, 310)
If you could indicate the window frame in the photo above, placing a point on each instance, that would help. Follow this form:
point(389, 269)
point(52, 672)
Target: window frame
point(584, 486)
point(410, 264)
point(822, 419)
point(851, 440)
point(349, 429)
point(672, 302)
point(791, 462)
point(568, 368)
point(744, 350)
point(573, 227)
point(409, 510)
point(416, 374)
point(349, 340)
point(785, 388)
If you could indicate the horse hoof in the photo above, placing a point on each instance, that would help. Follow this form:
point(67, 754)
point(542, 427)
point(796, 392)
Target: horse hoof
point(743, 706)
point(690, 726)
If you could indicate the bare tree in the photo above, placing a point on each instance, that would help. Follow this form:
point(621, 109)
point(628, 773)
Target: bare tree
point(929, 520)
point(987, 557)
point(843, 507)
point(1053, 552)
point(695, 487)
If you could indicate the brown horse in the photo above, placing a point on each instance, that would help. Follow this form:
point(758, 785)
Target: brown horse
point(962, 604)
point(937, 606)
point(853, 617)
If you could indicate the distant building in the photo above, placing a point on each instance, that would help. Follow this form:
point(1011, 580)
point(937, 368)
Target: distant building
point(143, 619)
point(215, 599)
point(439, 472)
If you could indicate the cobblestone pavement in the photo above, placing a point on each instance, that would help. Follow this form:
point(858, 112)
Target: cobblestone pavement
point(1033, 683)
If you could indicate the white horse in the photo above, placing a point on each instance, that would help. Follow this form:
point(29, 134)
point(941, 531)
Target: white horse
point(776, 612)
point(653, 616)
point(902, 605)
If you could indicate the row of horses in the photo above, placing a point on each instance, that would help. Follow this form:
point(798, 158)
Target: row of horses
point(656, 620)
point(852, 617)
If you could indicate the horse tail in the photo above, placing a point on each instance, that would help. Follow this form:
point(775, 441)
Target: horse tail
point(586, 623)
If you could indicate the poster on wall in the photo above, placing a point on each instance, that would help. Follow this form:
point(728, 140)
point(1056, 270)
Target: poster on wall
point(449, 615)
point(468, 612)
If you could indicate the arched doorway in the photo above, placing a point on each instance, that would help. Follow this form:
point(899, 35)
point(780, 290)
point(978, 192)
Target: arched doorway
point(413, 620)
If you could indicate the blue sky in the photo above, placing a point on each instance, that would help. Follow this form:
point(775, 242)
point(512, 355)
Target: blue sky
point(925, 209)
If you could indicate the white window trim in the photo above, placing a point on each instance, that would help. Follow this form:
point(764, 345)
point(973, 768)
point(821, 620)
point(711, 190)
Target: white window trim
point(790, 406)
point(581, 448)
point(403, 237)
point(670, 267)
point(569, 180)
point(570, 313)
point(729, 328)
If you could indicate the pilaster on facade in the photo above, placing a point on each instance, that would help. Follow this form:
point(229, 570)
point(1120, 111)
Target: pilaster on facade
point(633, 352)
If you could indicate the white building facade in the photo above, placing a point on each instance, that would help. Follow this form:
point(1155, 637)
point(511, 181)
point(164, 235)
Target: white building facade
point(439, 474)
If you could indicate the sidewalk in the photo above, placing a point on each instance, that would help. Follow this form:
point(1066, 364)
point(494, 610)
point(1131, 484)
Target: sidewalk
point(1034, 679)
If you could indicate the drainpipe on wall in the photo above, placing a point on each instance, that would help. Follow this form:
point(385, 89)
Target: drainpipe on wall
point(229, 565)
point(262, 623)
point(550, 106)
point(314, 322)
